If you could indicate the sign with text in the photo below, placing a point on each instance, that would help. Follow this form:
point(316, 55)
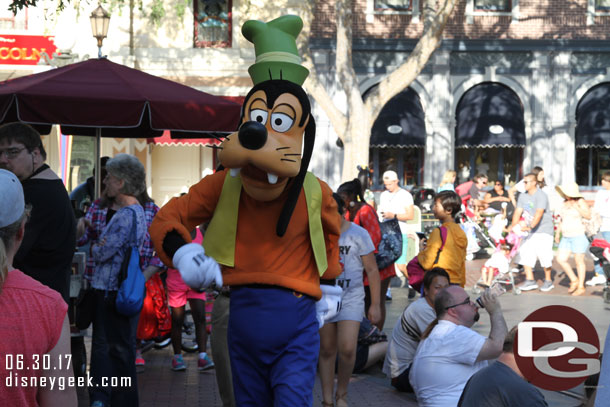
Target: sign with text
point(25, 49)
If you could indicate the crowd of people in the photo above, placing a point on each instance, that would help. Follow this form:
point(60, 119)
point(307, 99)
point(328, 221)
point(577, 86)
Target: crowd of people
point(39, 233)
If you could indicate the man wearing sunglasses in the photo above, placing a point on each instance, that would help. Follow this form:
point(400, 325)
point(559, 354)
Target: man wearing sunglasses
point(450, 351)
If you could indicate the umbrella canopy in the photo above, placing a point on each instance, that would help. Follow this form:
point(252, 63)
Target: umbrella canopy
point(115, 100)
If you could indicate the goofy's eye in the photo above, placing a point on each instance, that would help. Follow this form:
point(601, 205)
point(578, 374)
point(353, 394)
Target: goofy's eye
point(259, 115)
point(281, 122)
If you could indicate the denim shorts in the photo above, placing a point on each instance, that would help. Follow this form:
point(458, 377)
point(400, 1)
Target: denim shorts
point(576, 244)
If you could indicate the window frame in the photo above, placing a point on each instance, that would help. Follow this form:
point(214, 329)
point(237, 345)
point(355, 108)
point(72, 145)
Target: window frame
point(593, 11)
point(493, 10)
point(471, 12)
point(371, 12)
point(213, 44)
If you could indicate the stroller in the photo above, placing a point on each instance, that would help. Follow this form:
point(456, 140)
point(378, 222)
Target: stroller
point(601, 251)
point(514, 238)
point(477, 237)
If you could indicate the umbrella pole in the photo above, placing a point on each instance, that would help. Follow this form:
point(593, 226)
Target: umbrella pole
point(98, 162)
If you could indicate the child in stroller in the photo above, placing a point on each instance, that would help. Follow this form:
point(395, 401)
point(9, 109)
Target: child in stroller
point(601, 250)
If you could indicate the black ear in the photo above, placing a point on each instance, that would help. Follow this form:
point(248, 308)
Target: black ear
point(297, 184)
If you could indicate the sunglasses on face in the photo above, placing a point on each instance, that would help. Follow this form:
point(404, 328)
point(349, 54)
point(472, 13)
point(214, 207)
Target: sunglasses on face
point(466, 301)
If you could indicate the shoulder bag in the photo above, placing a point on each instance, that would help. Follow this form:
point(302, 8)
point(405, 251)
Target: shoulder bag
point(416, 271)
point(390, 246)
point(130, 295)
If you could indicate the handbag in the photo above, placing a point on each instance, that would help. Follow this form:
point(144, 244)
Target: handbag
point(130, 295)
point(155, 319)
point(593, 225)
point(84, 308)
point(390, 246)
point(416, 271)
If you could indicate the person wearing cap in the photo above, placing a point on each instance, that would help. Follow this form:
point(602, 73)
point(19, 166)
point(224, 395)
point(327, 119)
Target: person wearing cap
point(34, 324)
point(571, 230)
point(273, 227)
point(396, 203)
point(50, 239)
point(533, 206)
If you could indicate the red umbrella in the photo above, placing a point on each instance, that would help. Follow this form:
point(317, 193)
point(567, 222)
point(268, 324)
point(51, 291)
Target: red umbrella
point(119, 101)
point(104, 99)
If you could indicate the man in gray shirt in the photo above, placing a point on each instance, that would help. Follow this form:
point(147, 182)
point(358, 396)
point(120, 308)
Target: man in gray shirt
point(534, 216)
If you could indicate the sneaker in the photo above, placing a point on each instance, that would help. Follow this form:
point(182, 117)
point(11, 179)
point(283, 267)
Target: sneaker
point(546, 286)
point(139, 359)
point(178, 363)
point(597, 280)
point(516, 270)
point(205, 363)
point(528, 285)
point(98, 403)
point(412, 292)
point(388, 295)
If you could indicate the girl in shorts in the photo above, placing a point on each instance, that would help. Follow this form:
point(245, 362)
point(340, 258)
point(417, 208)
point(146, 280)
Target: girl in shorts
point(178, 293)
point(356, 253)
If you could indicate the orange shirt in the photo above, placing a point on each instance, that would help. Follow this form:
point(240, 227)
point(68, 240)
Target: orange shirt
point(261, 257)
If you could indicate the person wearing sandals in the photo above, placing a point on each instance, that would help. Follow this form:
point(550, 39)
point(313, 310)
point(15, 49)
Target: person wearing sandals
point(341, 332)
point(572, 233)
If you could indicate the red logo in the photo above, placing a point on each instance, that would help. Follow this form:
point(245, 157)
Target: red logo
point(556, 348)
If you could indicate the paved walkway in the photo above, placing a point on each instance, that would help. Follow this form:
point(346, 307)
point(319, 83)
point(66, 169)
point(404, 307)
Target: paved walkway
point(160, 386)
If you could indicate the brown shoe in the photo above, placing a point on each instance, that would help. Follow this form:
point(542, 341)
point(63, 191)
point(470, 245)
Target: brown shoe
point(579, 291)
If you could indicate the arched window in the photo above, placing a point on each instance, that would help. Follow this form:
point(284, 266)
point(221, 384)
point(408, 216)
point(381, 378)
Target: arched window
point(490, 133)
point(593, 135)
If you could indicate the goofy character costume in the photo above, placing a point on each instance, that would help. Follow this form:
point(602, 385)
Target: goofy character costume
point(274, 229)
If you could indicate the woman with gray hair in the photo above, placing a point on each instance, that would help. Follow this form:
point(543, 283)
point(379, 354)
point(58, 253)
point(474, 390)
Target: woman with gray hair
point(113, 339)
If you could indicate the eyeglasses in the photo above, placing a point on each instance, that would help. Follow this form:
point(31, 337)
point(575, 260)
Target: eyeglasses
point(466, 301)
point(11, 153)
point(498, 184)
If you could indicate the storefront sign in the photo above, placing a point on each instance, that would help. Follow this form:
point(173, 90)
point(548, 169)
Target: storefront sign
point(24, 49)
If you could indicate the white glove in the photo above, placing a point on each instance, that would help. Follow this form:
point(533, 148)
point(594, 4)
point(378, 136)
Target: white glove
point(330, 304)
point(197, 270)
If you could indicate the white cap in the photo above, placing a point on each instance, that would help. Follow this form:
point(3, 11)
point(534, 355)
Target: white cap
point(390, 176)
point(12, 203)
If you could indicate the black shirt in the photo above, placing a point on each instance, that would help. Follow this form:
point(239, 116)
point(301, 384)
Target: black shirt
point(50, 235)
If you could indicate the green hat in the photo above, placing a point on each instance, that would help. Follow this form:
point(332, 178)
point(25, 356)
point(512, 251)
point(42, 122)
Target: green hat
point(276, 49)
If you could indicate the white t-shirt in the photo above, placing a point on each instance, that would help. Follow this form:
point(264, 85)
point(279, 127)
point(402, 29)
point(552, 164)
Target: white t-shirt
point(602, 206)
point(396, 203)
point(405, 337)
point(444, 362)
point(353, 243)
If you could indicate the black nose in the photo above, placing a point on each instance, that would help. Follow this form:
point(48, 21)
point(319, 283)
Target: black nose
point(252, 135)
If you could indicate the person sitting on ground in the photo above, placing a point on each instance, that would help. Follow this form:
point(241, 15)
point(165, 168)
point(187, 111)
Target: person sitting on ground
point(372, 346)
point(452, 258)
point(501, 383)
point(34, 324)
point(450, 351)
point(409, 328)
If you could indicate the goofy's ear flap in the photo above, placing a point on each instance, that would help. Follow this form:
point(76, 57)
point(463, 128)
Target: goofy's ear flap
point(297, 184)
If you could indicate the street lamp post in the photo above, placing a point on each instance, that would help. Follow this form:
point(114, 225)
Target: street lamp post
point(100, 19)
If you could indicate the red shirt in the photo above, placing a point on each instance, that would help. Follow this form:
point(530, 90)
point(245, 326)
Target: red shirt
point(30, 326)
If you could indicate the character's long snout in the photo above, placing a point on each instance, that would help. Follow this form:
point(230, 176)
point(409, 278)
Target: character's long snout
point(252, 135)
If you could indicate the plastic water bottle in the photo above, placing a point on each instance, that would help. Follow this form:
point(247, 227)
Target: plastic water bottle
point(497, 289)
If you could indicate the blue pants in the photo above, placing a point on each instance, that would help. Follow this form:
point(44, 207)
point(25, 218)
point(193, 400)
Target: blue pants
point(113, 353)
point(274, 345)
point(598, 266)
